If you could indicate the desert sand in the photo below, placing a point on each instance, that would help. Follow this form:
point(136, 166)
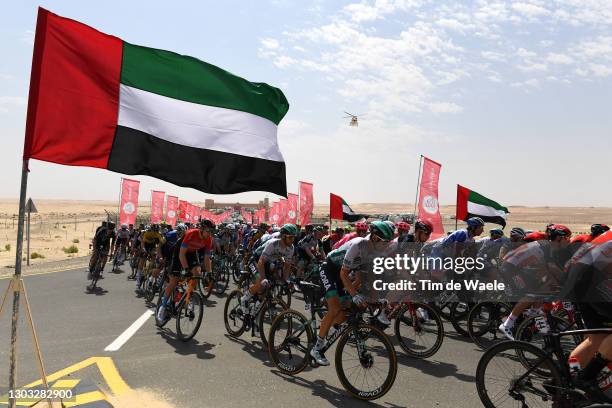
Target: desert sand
point(61, 223)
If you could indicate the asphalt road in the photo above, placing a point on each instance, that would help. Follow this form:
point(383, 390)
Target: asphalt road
point(212, 370)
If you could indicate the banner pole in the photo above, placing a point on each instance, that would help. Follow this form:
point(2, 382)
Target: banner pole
point(119, 203)
point(416, 195)
point(17, 283)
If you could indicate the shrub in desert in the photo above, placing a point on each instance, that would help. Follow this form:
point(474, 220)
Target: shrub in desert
point(35, 255)
point(72, 249)
point(7, 247)
point(75, 241)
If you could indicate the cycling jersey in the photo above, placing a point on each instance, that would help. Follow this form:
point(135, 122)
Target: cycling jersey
point(346, 238)
point(582, 238)
point(274, 251)
point(103, 238)
point(535, 236)
point(152, 237)
point(308, 242)
point(193, 242)
point(123, 234)
point(445, 246)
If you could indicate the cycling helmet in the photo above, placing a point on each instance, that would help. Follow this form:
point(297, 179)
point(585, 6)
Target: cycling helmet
point(382, 230)
point(598, 229)
point(403, 226)
point(154, 227)
point(289, 229)
point(231, 227)
point(205, 223)
point(497, 231)
point(361, 226)
point(318, 229)
point(391, 225)
point(110, 225)
point(517, 232)
point(423, 225)
point(558, 230)
point(124, 226)
point(475, 222)
point(263, 226)
point(181, 228)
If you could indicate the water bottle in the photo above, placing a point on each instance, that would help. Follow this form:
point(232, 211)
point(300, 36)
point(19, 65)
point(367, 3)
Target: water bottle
point(604, 379)
point(574, 366)
point(422, 314)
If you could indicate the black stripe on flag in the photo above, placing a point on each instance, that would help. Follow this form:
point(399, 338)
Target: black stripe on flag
point(135, 152)
point(493, 220)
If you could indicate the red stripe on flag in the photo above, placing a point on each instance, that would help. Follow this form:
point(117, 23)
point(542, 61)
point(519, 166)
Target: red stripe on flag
point(335, 207)
point(462, 199)
point(74, 93)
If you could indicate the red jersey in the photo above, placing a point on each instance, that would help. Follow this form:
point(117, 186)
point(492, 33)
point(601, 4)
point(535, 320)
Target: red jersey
point(582, 238)
point(605, 237)
point(194, 242)
point(346, 238)
point(536, 236)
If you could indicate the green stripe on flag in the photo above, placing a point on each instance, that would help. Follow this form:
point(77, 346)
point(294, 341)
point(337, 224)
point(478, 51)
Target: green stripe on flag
point(189, 79)
point(482, 200)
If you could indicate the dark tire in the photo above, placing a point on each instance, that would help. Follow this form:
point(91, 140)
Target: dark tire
point(419, 338)
point(483, 322)
point(233, 317)
point(206, 285)
point(266, 317)
point(381, 349)
point(223, 278)
point(290, 341)
point(501, 361)
point(150, 290)
point(188, 321)
point(458, 317)
point(283, 293)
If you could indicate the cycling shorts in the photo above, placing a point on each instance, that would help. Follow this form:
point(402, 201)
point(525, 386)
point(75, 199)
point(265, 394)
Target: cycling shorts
point(192, 261)
point(592, 319)
point(330, 277)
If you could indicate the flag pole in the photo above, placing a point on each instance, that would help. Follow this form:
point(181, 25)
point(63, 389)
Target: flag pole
point(456, 208)
point(416, 194)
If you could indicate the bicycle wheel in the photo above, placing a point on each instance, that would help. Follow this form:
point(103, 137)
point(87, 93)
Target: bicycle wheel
point(291, 338)
point(150, 289)
point(459, 312)
point(189, 317)
point(483, 322)
point(528, 332)
point(222, 281)
point(283, 293)
point(233, 317)
point(419, 332)
point(366, 362)
point(236, 270)
point(270, 310)
point(160, 298)
point(502, 381)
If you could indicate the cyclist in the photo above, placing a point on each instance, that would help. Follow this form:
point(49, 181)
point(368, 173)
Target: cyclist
point(123, 238)
point(521, 266)
point(309, 249)
point(151, 240)
point(361, 230)
point(101, 244)
point(275, 250)
point(329, 240)
point(517, 238)
point(355, 256)
point(185, 258)
point(458, 241)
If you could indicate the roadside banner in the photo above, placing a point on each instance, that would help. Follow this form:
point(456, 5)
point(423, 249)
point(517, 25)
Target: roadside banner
point(429, 208)
point(157, 206)
point(282, 211)
point(182, 210)
point(292, 208)
point(128, 209)
point(274, 215)
point(306, 202)
point(171, 208)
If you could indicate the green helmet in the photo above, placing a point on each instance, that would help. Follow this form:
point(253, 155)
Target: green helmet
point(289, 229)
point(382, 230)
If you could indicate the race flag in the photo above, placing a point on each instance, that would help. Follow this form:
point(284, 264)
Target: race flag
point(429, 208)
point(292, 206)
point(157, 206)
point(171, 209)
point(98, 101)
point(340, 210)
point(472, 204)
point(306, 202)
point(128, 209)
point(182, 210)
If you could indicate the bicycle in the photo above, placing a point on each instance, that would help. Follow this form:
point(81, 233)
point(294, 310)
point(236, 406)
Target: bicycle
point(218, 280)
point(414, 321)
point(292, 334)
point(546, 374)
point(119, 257)
point(187, 307)
point(97, 268)
point(264, 309)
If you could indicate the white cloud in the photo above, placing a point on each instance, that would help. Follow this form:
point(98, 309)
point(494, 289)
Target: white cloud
point(530, 10)
point(562, 59)
point(28, 37)
point(523, 53)
point(270, 43)
point(601, 70)
point(444, 107)
point(493, 56)
point(284, 61)
point(533, 66)
point(363, 12)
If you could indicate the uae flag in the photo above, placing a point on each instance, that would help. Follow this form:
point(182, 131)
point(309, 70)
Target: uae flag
point(98, 101)
point(340, 210)
point(472, 204)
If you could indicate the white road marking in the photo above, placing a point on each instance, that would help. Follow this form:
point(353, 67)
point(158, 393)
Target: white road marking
point(129, 332)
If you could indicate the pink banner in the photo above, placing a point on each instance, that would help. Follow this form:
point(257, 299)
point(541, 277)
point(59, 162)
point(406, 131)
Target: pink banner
point(428, 196)
point(128, 209)
point(274, 215)
point(292, 208)
point(171, 208)
point(282, 211)
point(182, 210)
point(306, 202)
point(157, 206)
point(193, 212)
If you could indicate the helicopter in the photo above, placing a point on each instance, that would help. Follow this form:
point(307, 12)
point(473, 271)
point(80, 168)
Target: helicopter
point(354, 122)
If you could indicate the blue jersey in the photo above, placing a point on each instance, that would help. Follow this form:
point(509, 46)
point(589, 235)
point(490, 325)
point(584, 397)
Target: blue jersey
point(171, 237)
point(445, 247)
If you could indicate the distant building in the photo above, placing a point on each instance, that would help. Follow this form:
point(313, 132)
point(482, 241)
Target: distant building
point(210, 204)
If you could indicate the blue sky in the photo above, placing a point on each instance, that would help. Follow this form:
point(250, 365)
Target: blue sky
point(513, 98)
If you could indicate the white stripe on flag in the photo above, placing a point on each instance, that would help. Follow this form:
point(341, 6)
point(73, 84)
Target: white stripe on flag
point(346, 209)
point(194, 125)
point(485, 210)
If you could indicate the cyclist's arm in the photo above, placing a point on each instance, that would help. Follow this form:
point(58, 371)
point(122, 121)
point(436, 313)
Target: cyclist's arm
point(183, 257)
point(350, 286)
point(261, 267)
point(207, 263)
